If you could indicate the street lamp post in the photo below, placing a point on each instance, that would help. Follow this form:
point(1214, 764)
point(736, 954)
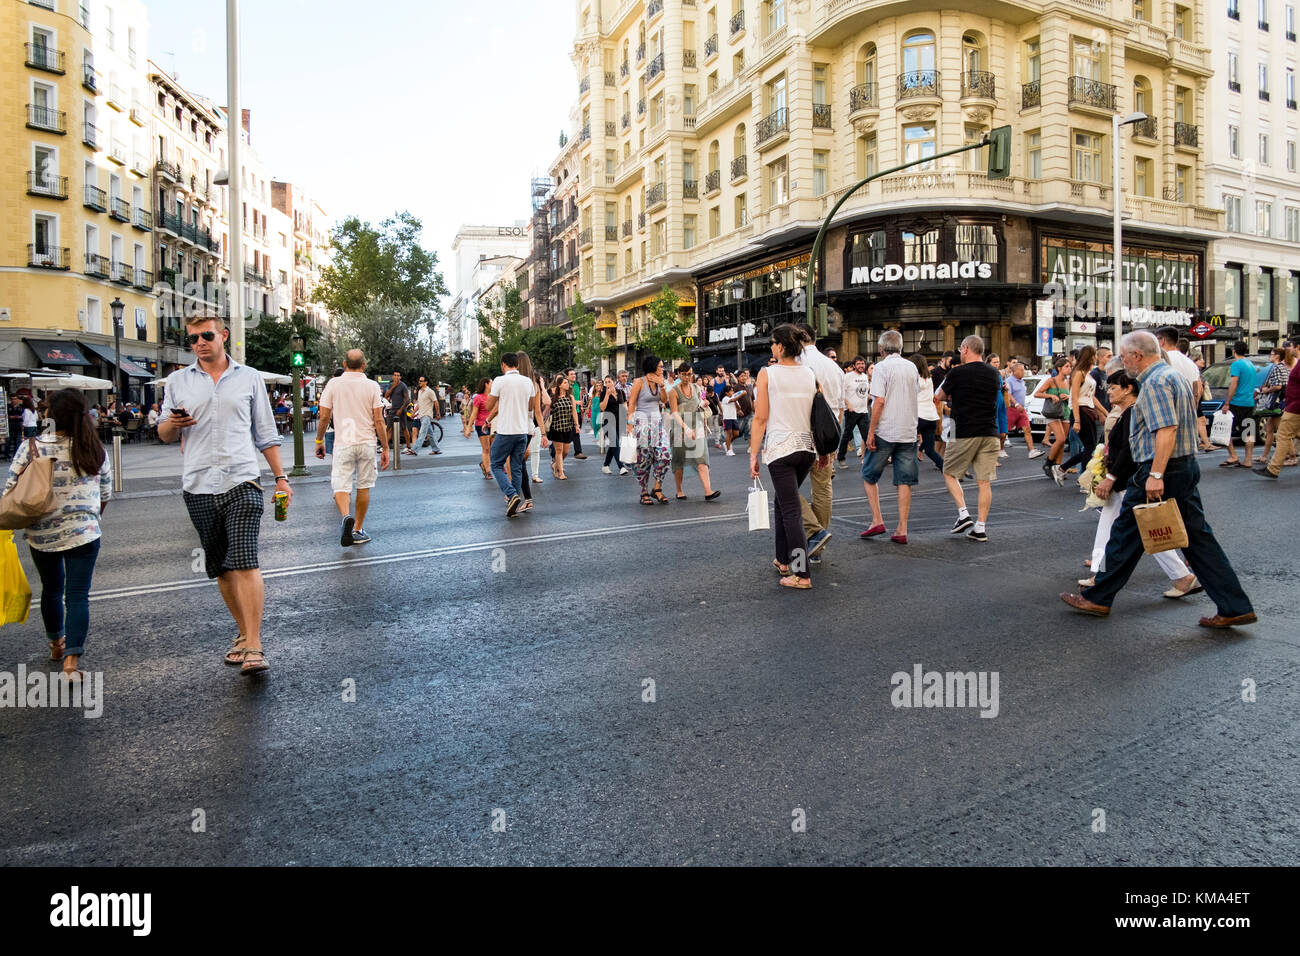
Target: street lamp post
point(235, 124)
point(118, 307)
point(299, 465)
point(568, 337)
point(1117, 247)
point(738, 293)
point(626, 319)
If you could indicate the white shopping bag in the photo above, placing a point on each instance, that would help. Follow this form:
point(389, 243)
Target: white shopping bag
point(627, 449)
point(949, 432)
point(758, 516)
point(1221, 430)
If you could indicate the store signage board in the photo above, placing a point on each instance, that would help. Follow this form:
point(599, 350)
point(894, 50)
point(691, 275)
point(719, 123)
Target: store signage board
point(1201, 330)
point(921, 272)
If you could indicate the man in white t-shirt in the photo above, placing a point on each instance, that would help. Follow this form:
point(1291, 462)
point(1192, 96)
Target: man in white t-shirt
point(830, 379)
point(352, 402)
point(1184, 366)
point(511, 398)
point(857, 407)
point(892, 434)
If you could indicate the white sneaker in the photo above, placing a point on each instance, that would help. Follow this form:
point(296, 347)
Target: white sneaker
point(1004, 453)
point(605, 469)
point(622, 471)
point(1036, 453)
point(730, 453)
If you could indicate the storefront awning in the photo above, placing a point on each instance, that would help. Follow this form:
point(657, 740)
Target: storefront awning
point(53, 352)
point(107, 354)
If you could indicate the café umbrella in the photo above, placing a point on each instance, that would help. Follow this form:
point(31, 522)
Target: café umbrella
point(86, 383)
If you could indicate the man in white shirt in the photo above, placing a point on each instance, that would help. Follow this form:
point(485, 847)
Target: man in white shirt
point(857, 407)
point(830, 379)
point(892, 434)
point(353, 403)
point(426, 410)
point(511, 399)
point(1183, 365)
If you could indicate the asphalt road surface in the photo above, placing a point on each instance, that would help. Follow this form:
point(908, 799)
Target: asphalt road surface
point(503, 712)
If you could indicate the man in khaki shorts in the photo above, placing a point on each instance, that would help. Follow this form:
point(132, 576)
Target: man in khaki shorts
point(353, 402)
point(971, 391)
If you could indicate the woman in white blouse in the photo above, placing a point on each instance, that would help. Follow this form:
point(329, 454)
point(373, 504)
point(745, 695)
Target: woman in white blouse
point(783, 398)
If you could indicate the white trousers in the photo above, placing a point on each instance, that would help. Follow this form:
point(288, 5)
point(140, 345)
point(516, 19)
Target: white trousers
point(1171, 562)
point(534, 452)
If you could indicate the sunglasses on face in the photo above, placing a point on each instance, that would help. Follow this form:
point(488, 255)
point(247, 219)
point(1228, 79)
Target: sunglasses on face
point(205, 336)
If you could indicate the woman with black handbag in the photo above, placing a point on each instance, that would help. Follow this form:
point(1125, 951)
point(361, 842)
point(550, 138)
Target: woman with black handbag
point(1054, 390)
point(1083, 406)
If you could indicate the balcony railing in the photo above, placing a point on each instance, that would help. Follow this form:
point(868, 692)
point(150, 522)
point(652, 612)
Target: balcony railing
point(1092, 93)
point(821, 116)
point(611, 128)
point(712, 181)
point(978, 84)
point(96, 265)
point(1264, 95)
point(253, 275)
point(142, 220)
point(627, 228)
point(584, 237)
point(116, 96)
point(739, 167)
point(690, 189)
point(585, 134)
point(119, 209)
point(123, 273)
point(654, 67)
point(50, 187)
point(610, 79)
point(919, 83)
point(47, 4)
point(89, 78)
point(42, 57)
point(138, 116)
point(90, 135)
point(710, 46)
point(168, 170)
point(584, 85)
point(1187, 134)
point(656, 195)
point(143, 279)
point(640, 221)
point(1031, 94)
point(1234, 86)
point(140, 164)
point(640, 53)
point(1290, 104)
point(653, 9)
point(737, 22)
point(117, 152)
point(863, 97)
point(640, 107)
point(49, 257)
point(95, 198)
point(770, 126)
point(1148, 128)
point(688, 59)
point(626, 121)
point(624, 69)
point(611, 233)
point(44, 118)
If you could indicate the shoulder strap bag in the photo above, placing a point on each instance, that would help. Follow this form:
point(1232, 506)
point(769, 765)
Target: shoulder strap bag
point(32, 498)
point(825, 429)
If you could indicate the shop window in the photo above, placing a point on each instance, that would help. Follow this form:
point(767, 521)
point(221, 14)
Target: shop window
point(867, 250)
point(920, 246)
point(975, 243)
point(1232, 291)
point(1264, 295)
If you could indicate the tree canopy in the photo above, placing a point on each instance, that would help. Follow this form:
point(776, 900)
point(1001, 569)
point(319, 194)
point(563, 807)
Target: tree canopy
point(588, 343)
point(268, 346)
point(664, 337)
point(380, 264)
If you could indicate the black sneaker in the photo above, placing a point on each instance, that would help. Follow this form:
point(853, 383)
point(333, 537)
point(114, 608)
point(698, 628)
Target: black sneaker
point(963, 524)
point(1264, 473)
point(980, 536)
point(349, 523)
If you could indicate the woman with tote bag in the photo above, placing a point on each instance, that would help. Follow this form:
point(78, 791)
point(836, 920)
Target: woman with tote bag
point(65, 543)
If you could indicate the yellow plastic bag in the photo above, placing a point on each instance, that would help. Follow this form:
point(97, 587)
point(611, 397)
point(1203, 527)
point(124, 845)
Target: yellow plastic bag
point(15, 592)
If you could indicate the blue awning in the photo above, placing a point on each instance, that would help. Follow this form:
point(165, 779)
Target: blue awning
point(107, 353)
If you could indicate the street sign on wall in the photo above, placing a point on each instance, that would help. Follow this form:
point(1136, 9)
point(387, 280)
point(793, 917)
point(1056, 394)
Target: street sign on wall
point(1044, 342)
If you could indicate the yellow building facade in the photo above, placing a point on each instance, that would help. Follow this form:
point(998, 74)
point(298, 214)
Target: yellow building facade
point(75, 208)
point(716, 136)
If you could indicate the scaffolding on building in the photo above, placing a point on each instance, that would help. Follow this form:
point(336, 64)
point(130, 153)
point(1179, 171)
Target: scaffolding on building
point(539, 261)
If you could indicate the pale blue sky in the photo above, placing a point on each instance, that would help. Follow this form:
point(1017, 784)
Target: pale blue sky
point(446, 109)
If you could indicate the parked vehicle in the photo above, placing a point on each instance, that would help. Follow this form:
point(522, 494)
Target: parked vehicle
point(1216, 377)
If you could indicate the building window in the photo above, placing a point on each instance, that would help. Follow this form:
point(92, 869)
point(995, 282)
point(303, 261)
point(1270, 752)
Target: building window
point(1264, 295)
point(1232, 291)
point(1290, 88)
point(611, 266)
point(1087, 60)
point(1263, 14)
point(867, 250)
point(1182, 22)
point(821, 160)
point(1233, 11)
point(778, 179)
point(1034, 154)
point(1293, 224)
point(1263, 81)
point(715, 222)
point(741, 211)
point(775, 15)
point(918, 56)
point(1264, 217)
point(1234, 141)
point(821, 93)
point(920, 247)
point(1232, 206)
point(976, 243)
point(688, 231)
point(867, 156)
point(919, 142)
point(1290, 156)
point(1234, 74)
point(1087, 157)
point(976, 159)
point(1143, 183)
point(1181, 179)
point(1263, 149)
point(1139, 9)
point(1033, 61)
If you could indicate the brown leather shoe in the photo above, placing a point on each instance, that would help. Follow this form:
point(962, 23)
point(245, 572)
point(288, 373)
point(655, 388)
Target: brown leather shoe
point(1084, 606)
point(1220, 621)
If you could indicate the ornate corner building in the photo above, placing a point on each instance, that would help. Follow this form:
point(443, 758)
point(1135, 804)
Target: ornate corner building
point(715, 136)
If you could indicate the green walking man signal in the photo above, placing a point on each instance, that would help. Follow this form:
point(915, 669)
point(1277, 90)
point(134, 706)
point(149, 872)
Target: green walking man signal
point(297, 360)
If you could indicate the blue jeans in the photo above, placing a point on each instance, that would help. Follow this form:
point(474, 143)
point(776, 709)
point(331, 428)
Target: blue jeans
point(1203, 553)
point(329, 442)
point(65, 579)
point(512, 448)
point(426, 428)
point(904, 455)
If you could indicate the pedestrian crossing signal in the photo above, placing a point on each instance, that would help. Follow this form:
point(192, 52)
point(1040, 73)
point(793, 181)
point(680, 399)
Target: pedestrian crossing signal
point(298, 360)
point(1000, 153)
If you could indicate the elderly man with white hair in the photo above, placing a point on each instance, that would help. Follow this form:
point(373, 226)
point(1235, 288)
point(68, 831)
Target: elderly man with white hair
point(1163, 443)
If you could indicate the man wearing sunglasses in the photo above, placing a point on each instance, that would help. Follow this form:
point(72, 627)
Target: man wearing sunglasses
point(221, 409)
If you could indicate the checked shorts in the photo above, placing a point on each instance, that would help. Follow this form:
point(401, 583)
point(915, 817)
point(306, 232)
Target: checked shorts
point(228, 525)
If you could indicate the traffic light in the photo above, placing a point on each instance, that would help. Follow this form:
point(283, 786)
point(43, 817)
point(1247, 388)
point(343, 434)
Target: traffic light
point(1000, 153)
point(298, 346)
point(298, 360)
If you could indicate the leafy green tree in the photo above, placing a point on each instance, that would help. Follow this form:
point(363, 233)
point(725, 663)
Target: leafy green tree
point(458, 369)
point(548, 348)
point(393, 337)
point(664, 337)
point(268, 347)
point(380, 264)
point(588, 343)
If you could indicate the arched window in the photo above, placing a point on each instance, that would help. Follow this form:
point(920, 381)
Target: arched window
point(867, 64)
point(738, 142)
point(715, 158)
point(918, 52)
point(1142, 99)
point(973, 57)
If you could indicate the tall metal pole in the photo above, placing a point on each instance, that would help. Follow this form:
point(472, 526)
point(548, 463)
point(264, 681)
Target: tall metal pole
point(119, 312)
point(235, 219)
point(299, 462)
point(1117, 258)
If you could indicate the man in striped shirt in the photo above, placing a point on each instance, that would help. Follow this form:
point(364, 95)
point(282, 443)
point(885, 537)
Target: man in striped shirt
point(1163, 444)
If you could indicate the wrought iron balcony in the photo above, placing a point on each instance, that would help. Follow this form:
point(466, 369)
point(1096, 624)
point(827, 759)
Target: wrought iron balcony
point(96, 265)
point(95, 198)
point(253, 275)
point(50, 187)
point(918, 83)
point(712, 181)
point(1290, 104)
point(1092, 93)
point(117, 152)
point(1148, 128)
point(640, 53)
point(656, 195)
point(119, 209)
point(584, 238)
point(864, 96)
point(42, 57)
point(90, 135)
point(584, 85)
point(611, 128)
point(1264, 95)
point(710, 46)
point(1234, 86)
point(44, 118)
point(143, 279)
point(1187, 134)
point(626, 121)
point(978, 84)
point(627, 228)
point(168, 170)
point(122, 273)
point(690, 189)
point(769, 126)
point(140, 164)
point(737, 22)
point(688, 59)
point(739, 167)
point(654, 68)
point(611, 233)
point(48, 257)
point(624, 69)
point(138, 116)
point(47, 4)
point(653, 9)
point(585, 134)
point(89, 78)
point(142, 220)
point(116, 97)
point(821, 116)
point(640, 221)
point(1263, 25)
point(610, 79)
point(640, 107)
point(1031, 94)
